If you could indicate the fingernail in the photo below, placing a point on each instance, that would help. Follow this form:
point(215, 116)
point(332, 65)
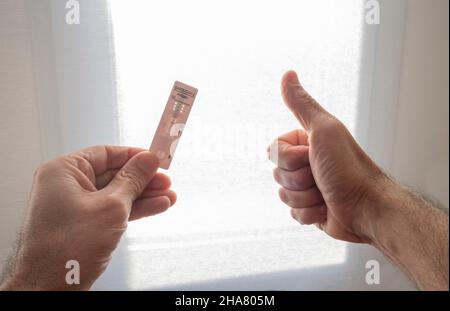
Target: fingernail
point(299, 220)
point(168, 199)
point(164, 201)
point(292, 78)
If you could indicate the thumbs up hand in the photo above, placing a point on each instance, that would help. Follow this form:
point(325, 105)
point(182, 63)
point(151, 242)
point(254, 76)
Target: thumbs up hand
point(325, 176)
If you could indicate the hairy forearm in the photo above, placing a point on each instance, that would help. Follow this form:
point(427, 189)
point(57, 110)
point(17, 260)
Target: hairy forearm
point(413, 233)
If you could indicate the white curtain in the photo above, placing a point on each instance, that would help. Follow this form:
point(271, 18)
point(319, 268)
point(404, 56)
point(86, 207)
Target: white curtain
point(105, 81)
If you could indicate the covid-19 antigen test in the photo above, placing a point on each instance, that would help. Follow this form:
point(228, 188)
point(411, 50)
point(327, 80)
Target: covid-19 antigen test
point(172, 122)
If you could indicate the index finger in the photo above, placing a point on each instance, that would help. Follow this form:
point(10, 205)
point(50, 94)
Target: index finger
point(290, 151)
point(103, 158)
point(289, 157)
point(295, 137)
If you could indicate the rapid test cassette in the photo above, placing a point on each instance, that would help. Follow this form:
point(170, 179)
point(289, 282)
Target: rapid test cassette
point(172, 122)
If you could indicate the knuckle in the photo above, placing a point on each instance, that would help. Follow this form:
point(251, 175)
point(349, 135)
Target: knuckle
point(131, 178)
point(303, 216)
point(305, 97)
point(303, 179)
point(91, 152)
point(306, 217)
point(276, 175)
point(295, 215)
point(40, 171)
point(113, 205)
point(112, 201)
point(295, 180)
point(82, 164)
point(290, 161)
point(295, 158)
point(284, 197)
point(331, 126)
point(45, 170)
point(281, 194)
point(298, 182)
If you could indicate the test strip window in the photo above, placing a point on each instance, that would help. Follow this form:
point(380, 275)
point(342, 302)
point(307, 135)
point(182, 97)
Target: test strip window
point(172, 122)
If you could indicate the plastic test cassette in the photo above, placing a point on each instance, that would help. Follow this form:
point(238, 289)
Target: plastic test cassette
point(172, 122)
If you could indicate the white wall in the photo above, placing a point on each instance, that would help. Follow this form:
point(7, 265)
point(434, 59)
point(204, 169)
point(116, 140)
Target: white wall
point(421, 156)
point(19, 131)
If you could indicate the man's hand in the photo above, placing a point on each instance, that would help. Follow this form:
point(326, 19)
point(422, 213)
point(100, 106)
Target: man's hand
point(79, 208)
point(326, 178)
point(329, 181)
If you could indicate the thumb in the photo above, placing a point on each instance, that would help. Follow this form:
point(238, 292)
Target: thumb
point(303, 106)
point(134, 176)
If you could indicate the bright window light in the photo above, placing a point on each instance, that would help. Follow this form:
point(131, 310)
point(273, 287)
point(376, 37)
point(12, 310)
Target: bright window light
point(228, 221)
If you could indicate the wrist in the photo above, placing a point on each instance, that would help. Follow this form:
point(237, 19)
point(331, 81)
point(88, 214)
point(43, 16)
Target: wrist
point(29, 279)
point(407, 229)
point(379, 209)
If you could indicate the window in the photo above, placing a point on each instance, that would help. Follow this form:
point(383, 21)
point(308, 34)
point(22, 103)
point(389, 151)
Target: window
point(228, 221)
point(106, 81)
